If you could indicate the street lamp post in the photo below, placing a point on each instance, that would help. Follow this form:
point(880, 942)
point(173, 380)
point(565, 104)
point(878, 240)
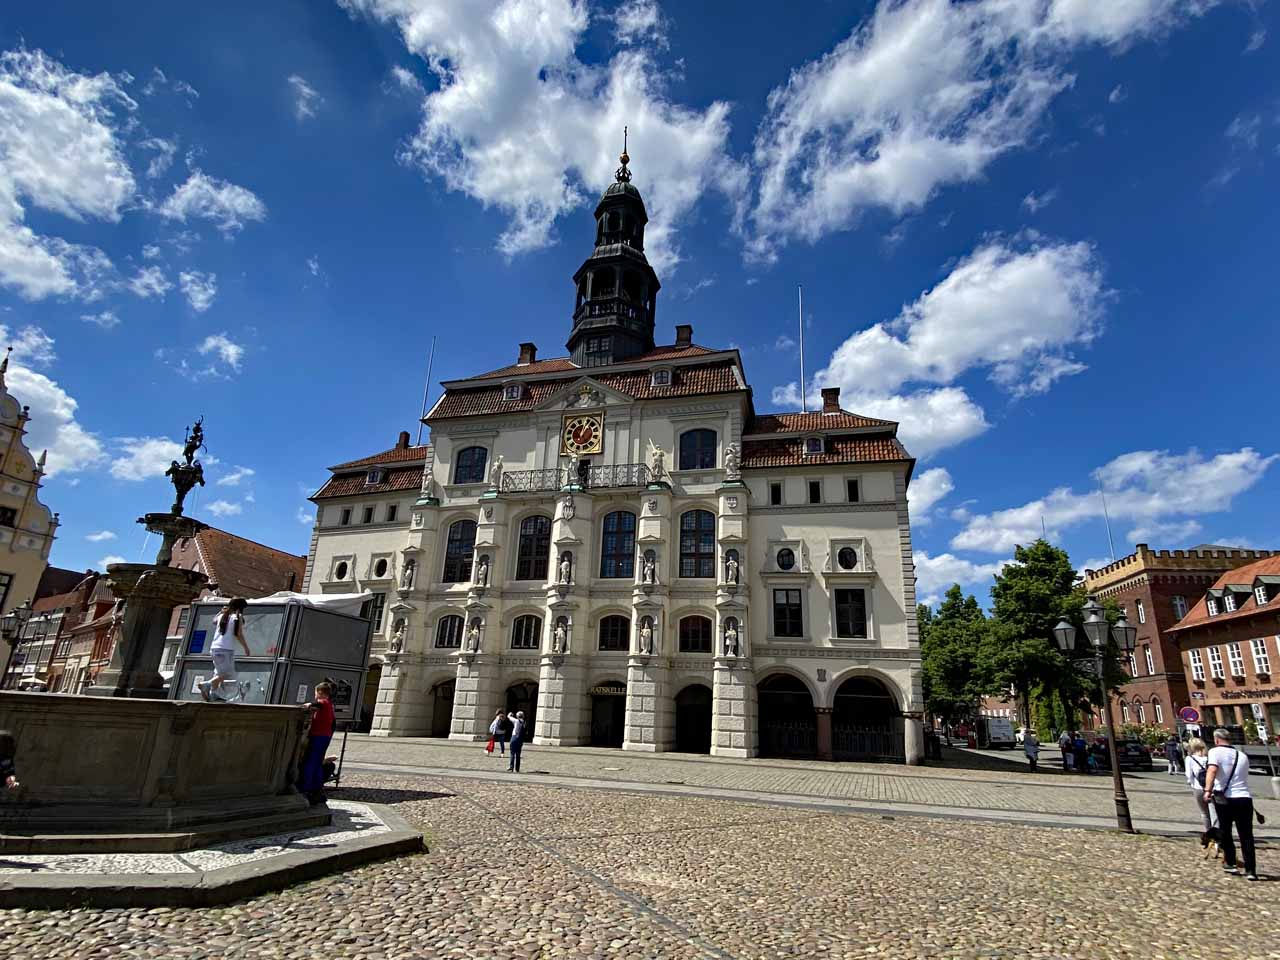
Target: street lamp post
point(1097, 630)
point(11, 626)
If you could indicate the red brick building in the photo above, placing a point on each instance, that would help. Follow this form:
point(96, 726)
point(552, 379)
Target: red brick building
point(1230, 643)
point(1156, 589)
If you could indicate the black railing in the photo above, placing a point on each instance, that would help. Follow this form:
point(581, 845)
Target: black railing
point(867, 743)
point(609, 307)
point(788, 739)
point(532, 481)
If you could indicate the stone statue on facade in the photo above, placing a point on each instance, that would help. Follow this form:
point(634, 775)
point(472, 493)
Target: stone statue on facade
point(495, 473)
point(473, 638)
point(410, 570)
point(646, 636)
point(396, 644)
point(732, 470)
point(656, 462)
point(731, 569)
point(567, 507)
point(482, 571)
point(428, 481)
point(566, 568)
point(648, 569)
point(731, 638)
point(560, 638)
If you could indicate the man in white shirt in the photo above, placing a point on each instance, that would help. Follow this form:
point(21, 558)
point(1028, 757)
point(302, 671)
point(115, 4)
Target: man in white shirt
point(1226, 785)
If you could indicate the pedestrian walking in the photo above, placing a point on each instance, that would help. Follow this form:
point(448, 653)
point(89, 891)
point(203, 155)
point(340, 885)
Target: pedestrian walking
point(1173, 753)
point(228, 631)
point(1031, 747)
point(1080, 752)
point(8, 760)
point(1197, 767)
point(1226, 785)
point(1068, 757)
point(311, 780)
point(517, 742)
point(501, 731)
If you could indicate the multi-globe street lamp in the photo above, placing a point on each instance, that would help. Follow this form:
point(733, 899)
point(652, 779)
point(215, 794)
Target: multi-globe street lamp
point(1098, 630)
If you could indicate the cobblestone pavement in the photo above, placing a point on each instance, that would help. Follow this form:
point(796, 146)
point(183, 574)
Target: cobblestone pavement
point(519, 870)
point(1156, 799)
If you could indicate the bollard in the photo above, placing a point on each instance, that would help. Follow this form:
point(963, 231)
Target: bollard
point(1275, 787)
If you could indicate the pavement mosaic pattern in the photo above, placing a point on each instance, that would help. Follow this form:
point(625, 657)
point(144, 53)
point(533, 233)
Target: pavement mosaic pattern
point(350, 820)
point(521, 870)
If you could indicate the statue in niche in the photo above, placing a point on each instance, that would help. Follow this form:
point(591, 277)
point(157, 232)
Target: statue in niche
point(482, 571)
point(731, 648)
point(410, 570)
point(731, 568)
point(566, 567)
point(428, 481)
point(649, 569)
point(732, 470)
point(473, 638)
point(567, 508)
point(396, 644)
point(646, 636)
point(560, 637)
point(495, 473)
point(656, 462)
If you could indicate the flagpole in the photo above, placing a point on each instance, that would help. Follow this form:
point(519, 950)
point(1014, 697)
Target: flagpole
point(426, 391)
point(804, 403)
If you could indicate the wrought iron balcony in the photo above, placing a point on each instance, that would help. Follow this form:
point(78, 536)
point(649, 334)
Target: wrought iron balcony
point(618, 475)
point(589, 475)
point(532, 481)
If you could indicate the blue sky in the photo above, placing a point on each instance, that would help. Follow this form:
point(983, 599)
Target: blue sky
point(1038, 234)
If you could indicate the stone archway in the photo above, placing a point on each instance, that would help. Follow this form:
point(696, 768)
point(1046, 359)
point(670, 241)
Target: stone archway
point(608, 713)
point(788, 722)
point(866, 723)
point(693, 719)
point(524, 696)
point(442, 708)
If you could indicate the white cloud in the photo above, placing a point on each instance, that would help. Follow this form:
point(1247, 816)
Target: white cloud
point(313, 264)
point(935, 575)
point(224, 508)
point(638, 21)
point(164, 149)
point(784, 342)
point(225, 350)
point(144, 457)
point(926, 490)
point(1013, 309)
point(922, 95)
point(406, 82)
point(106, 319)
point(150, 281)
point(53, 425)
point(1118, 94)
point(1034, 203)
point(519, 123)
point(1167, 534)
point(306, 516)
point(233, 478)
point(1243, 130)
point(306, 101)
point(199, 288)
point(59, 152)
point(151, 251)
point(110, 559)
point(1147, 487)
point(202, 197)
point(100, 536)
point(1256, 40)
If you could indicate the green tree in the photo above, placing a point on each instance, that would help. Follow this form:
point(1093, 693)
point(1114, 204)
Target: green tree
point(949, 644)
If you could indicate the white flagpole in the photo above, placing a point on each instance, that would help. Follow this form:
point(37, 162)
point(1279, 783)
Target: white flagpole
point(804, 403)
point(1105, 516)
point(426, 391)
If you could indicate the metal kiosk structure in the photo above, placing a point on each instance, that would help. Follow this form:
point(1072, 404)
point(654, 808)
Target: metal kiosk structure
point(293, 645)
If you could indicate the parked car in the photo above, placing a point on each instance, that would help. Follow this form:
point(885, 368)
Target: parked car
point(1134, 755)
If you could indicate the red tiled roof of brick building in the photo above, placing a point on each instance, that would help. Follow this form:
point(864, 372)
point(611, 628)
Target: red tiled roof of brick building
point(398, 478)
point(394, 455)
point(815, 422)
point(1244, 576)
point(245, 568)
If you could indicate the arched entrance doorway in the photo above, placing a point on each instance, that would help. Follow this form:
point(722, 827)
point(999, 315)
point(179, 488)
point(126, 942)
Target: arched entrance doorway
point(693, 719)
point(442, 708)
point(524, 696)
point(608, 713)
point(788, 722)
point(866, 723)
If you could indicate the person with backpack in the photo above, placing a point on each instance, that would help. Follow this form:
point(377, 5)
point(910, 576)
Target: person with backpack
point(1196, 768)
point(1173, 753)
point(1226, 785)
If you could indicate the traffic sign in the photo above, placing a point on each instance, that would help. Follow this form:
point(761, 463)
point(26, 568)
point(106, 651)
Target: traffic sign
point(1189, 715)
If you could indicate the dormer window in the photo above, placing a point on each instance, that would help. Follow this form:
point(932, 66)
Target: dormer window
point(662, 378)
point(1260, 594)
point(812, 446)
point(1212, 606)
point(1230, 602)
point(513, 391)
point(376, 475)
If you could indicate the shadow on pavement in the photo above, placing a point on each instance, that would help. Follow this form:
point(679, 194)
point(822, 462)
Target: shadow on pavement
point(388, 795)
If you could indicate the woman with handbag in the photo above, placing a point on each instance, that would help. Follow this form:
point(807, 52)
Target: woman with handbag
point(499, 730)
point(1226, 785)
point(1196, 768)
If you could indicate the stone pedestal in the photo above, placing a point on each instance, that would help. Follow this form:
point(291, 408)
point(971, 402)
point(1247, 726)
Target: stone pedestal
point(563, 717)
point(476, 697)
point(148, 594)
point(650, 725)
point(733, 711)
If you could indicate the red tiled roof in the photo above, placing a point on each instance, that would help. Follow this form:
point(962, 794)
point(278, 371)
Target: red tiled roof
point(688, 381)
point(394, 455)
point(813, 422)
point(673, 351)
point(403, 478)
point(1198, 615)
point(848, 449)
point(244, 568)
point(550, 365)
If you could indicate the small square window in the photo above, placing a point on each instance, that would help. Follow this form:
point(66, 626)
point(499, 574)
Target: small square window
point(851, 490)
point(346, 517)
point(392, 509)
point(376, 475)
point(367, 515)
point(815, 491)
point(812, 445)
point(8, 517)
point(511, 391)
point(775, 494)
point(661, 378)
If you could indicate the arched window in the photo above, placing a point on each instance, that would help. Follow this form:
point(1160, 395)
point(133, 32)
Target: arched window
point(449, 631)
point(1124, 712)
point(698, 450)
point(535, 548)
point(618, 546)
point(615, 633)
point(458, 550)
point(469, 465)
point(695, 635)
point(526, 633)
point(697, 544)
point(1157, 709)
point(1142, 711)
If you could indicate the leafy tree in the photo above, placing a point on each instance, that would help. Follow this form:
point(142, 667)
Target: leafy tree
point(949, 644)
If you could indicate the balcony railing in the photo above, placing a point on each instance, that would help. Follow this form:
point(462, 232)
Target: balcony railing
point(590, 476)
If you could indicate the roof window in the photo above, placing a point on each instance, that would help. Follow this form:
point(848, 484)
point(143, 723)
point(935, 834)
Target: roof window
point(376, 475)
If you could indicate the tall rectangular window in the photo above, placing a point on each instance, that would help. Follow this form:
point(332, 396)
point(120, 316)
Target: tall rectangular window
point(788, 618)
point(6, 583)
point(184, 616)
point(1212, 606)
point(1236, 659)
point(1179, 607)
point(1260, 594)
point(372, 610)
point(392, 510)
point(815, 491)
point(1133, 665)
point(346, 516)
point(1142, 611)
point(775, 494)
point(1261, 660)
point(368, 515)
point(1151, 663)
point(1197, 665)
point(851, 492)
point(851, 613)
point(1229, 601)
point(1215, 664)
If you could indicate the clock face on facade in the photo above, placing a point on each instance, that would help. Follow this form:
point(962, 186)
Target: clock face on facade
point(583, 434)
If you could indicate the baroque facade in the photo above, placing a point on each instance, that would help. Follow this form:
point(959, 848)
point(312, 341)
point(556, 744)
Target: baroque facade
point(618, 544)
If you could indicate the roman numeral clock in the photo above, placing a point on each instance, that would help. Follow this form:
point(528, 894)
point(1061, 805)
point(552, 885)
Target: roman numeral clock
point(582, 434)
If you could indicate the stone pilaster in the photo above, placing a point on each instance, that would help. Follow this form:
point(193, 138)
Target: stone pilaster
point(650, 725)
point(477, 696)
point(403, 708)
point(913, 739)
point(733, 709)
point(563, 708)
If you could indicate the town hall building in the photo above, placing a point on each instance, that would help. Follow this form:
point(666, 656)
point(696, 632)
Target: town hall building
point(617, 543)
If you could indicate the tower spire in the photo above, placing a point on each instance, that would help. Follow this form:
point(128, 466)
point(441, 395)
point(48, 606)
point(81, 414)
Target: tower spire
point(4, 365)
point(622, 174)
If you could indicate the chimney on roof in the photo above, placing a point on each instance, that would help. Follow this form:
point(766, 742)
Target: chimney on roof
point(684, 334)
point(403, 442)
point(528, 353)
point(830, 399)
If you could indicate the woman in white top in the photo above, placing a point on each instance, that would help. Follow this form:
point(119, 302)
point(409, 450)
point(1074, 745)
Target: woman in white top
point(229, 630)
point(1196, 768)
point(1226, 784)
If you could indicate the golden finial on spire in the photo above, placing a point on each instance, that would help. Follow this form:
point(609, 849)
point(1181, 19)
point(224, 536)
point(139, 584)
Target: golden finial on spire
point(622, 174)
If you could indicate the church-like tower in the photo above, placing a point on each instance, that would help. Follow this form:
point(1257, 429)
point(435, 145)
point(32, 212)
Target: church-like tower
point(617, 290)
